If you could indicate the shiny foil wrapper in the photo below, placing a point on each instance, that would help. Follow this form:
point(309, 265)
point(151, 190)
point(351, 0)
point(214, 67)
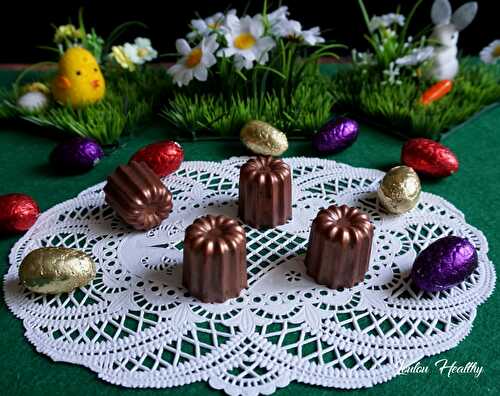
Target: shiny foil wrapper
point(163, 158)
point(214, 264)
point(53, 270)
point(18, 212)
point(76, 155)
point(265, 192)
point(399, 190)
point(138, 196)
point(340, 242)
point(262, 138)
point(429, 158)
point(444, 263)
point(336, 135)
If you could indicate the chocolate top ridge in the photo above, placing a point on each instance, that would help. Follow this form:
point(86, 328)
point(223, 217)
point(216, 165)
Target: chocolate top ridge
point(266, 166)
point(343, 224)
point(215, 233)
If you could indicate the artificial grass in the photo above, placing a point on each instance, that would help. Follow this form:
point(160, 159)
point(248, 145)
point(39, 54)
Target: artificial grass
point(131, 100)
point(397, 108)
point(223, 113)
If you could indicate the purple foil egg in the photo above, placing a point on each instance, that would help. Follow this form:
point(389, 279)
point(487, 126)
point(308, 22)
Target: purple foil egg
point(76, 155)
point(444, 264)
point(336, 135)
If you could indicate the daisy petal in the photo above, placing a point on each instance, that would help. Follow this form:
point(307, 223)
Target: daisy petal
point(209, 59)
point(211, 43)
point(201, 73)
point(182, 46)
point(233, 23)
point(199, 24)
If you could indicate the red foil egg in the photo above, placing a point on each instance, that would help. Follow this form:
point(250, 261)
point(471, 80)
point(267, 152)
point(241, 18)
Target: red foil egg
point(163, 158)
point(428, 157)
point(18, 212)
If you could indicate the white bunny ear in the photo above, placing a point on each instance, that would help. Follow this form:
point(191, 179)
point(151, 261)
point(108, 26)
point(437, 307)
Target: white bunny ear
point(464, 15)
point(441, 12)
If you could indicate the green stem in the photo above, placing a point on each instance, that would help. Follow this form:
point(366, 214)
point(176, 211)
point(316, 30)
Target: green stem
point(26, 71)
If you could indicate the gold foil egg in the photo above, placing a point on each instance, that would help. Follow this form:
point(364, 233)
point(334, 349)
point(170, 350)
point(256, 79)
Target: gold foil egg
point(262, 138)
point(399, 190)
point(52, 270)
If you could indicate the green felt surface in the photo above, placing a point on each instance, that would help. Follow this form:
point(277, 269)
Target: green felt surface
point(474, 190)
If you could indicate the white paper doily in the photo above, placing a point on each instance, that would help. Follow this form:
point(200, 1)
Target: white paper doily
point(136, 326)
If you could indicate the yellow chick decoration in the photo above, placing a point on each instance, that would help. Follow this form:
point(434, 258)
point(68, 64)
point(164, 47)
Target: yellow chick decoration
point(79, 81)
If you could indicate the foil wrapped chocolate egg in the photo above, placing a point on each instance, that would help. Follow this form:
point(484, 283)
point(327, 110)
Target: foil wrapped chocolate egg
point(76, 155)
point(336, 135)
point(399, 190)
point(429, 158)
point(262, 138)
point(53, 270)
point(444, 263)
point(163, 158)
point(18, 212)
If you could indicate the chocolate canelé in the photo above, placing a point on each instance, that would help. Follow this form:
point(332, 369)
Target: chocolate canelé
point(339, 248)
point(265, 192)
point(138, 196)
point(214, 268)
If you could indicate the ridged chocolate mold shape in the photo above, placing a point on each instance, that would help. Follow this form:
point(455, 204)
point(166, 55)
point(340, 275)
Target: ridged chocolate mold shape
point(339, 248)
point(138, 196)
point(215, 259)
point(265, 192)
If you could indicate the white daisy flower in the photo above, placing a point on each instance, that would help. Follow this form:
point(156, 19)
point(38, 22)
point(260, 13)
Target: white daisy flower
point(292, 30)
point(276, 18)
point(195, 62)
point(416, 57)
point(385, 21)
point(491, 53)
point(280, 14)
point(212, 24)
point(245, 37)
point(141, 51)
point(312, 36)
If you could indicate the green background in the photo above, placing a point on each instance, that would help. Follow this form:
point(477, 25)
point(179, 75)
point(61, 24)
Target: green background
point(24, 150)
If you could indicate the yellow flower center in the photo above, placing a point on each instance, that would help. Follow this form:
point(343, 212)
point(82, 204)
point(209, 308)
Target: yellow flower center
point(496, 52)
point(194, 57)
point(244, 41)
point(142, 52)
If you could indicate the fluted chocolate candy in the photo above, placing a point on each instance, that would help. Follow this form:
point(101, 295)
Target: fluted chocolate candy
point(138, 196)
point(265, 192)
point(215, 259)
point(52, 270)
point(339, 248)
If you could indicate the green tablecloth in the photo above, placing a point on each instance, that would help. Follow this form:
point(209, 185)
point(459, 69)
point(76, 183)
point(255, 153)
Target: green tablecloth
point(474, 190)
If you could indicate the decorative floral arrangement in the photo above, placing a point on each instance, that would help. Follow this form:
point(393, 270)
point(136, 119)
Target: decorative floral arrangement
point(232, 69)
point(491, 53)
point(131, 95)
point(386, 83)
